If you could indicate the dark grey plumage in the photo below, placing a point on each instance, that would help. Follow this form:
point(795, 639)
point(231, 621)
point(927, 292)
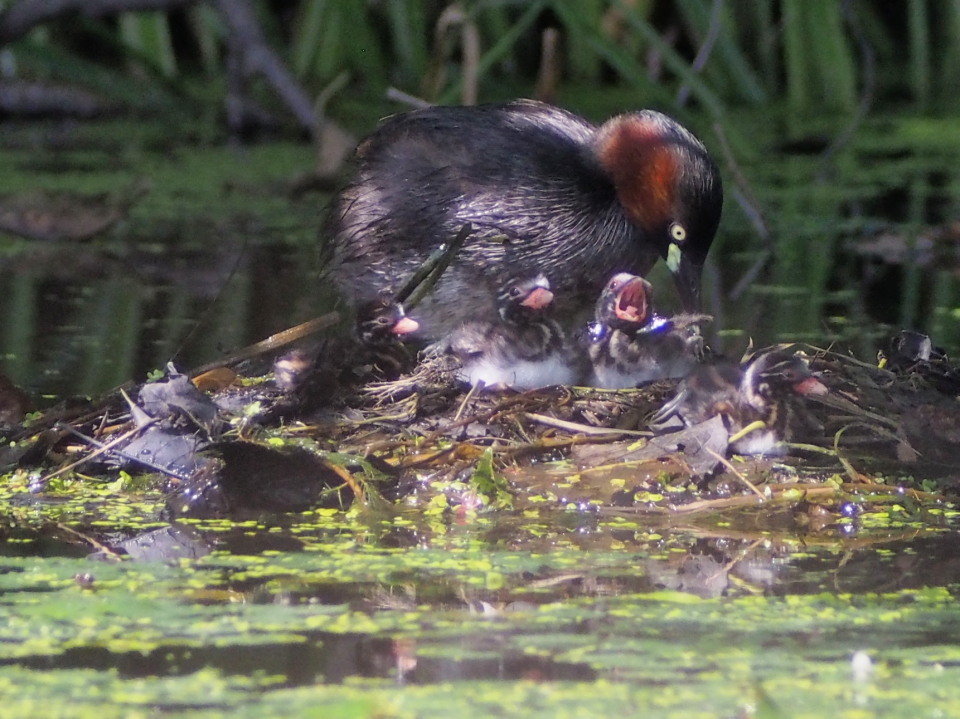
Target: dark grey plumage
point(544, 190)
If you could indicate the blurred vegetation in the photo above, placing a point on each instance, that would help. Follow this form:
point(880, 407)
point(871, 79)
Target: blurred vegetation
point(816, 57)
point(828, 117)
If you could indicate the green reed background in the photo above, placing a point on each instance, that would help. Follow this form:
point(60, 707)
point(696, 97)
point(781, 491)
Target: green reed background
point(813, 55)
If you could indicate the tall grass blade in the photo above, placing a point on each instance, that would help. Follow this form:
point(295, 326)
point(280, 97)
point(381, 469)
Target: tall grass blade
point(500, 50)
point(836, 65)
point(148, 33)
point(819, 62)
point(308, 36)
point(727, 69)
point(18, 328)
point(796, 70)
point(948, 72)
point(672, 60)
point(918, 24)
point(580, 58)
point(409, 34)
point(207, 31)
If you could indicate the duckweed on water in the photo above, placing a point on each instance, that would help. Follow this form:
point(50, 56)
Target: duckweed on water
point(538, 611)
point(484, 627)
point(691, 601)
point(639, 647)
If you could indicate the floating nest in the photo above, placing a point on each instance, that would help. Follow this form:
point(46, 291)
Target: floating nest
point(244, 446)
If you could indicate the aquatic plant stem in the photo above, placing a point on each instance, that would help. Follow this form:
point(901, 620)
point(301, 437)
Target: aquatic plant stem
point(96, 453)
point(272, 343)
point(703, 54)
point(348, 479)
point(582, 428)
point(103, 548)
point(726, 463)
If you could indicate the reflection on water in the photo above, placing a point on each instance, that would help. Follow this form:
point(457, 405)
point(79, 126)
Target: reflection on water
point(439, 624)
point(324, 658)
point(415, 600)
point(95, 321)
point(869, 242)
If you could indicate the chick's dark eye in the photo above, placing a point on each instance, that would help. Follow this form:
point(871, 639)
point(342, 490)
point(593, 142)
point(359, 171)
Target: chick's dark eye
point(515, 292)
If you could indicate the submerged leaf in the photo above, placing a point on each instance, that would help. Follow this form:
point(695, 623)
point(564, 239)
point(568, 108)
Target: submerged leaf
point(488, 482)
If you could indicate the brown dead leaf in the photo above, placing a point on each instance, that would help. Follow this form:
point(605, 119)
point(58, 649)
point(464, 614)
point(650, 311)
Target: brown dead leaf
point(58, 215)
point(693, 445)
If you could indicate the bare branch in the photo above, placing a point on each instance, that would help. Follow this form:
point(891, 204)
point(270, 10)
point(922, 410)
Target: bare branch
point(21, 17)
point(256, 56)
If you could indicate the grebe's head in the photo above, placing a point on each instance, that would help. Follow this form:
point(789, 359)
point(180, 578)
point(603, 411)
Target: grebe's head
point(669, 187)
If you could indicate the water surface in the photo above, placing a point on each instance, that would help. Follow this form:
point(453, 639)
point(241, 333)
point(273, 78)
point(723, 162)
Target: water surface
point(540, 611)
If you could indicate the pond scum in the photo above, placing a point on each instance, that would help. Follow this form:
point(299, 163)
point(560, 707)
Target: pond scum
point(248, 591)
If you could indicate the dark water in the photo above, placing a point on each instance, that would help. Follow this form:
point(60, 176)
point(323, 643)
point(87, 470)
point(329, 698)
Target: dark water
point(401, 615)
point(320, 605)
point(218, 251)
point(207, 261)
point(98, 321)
